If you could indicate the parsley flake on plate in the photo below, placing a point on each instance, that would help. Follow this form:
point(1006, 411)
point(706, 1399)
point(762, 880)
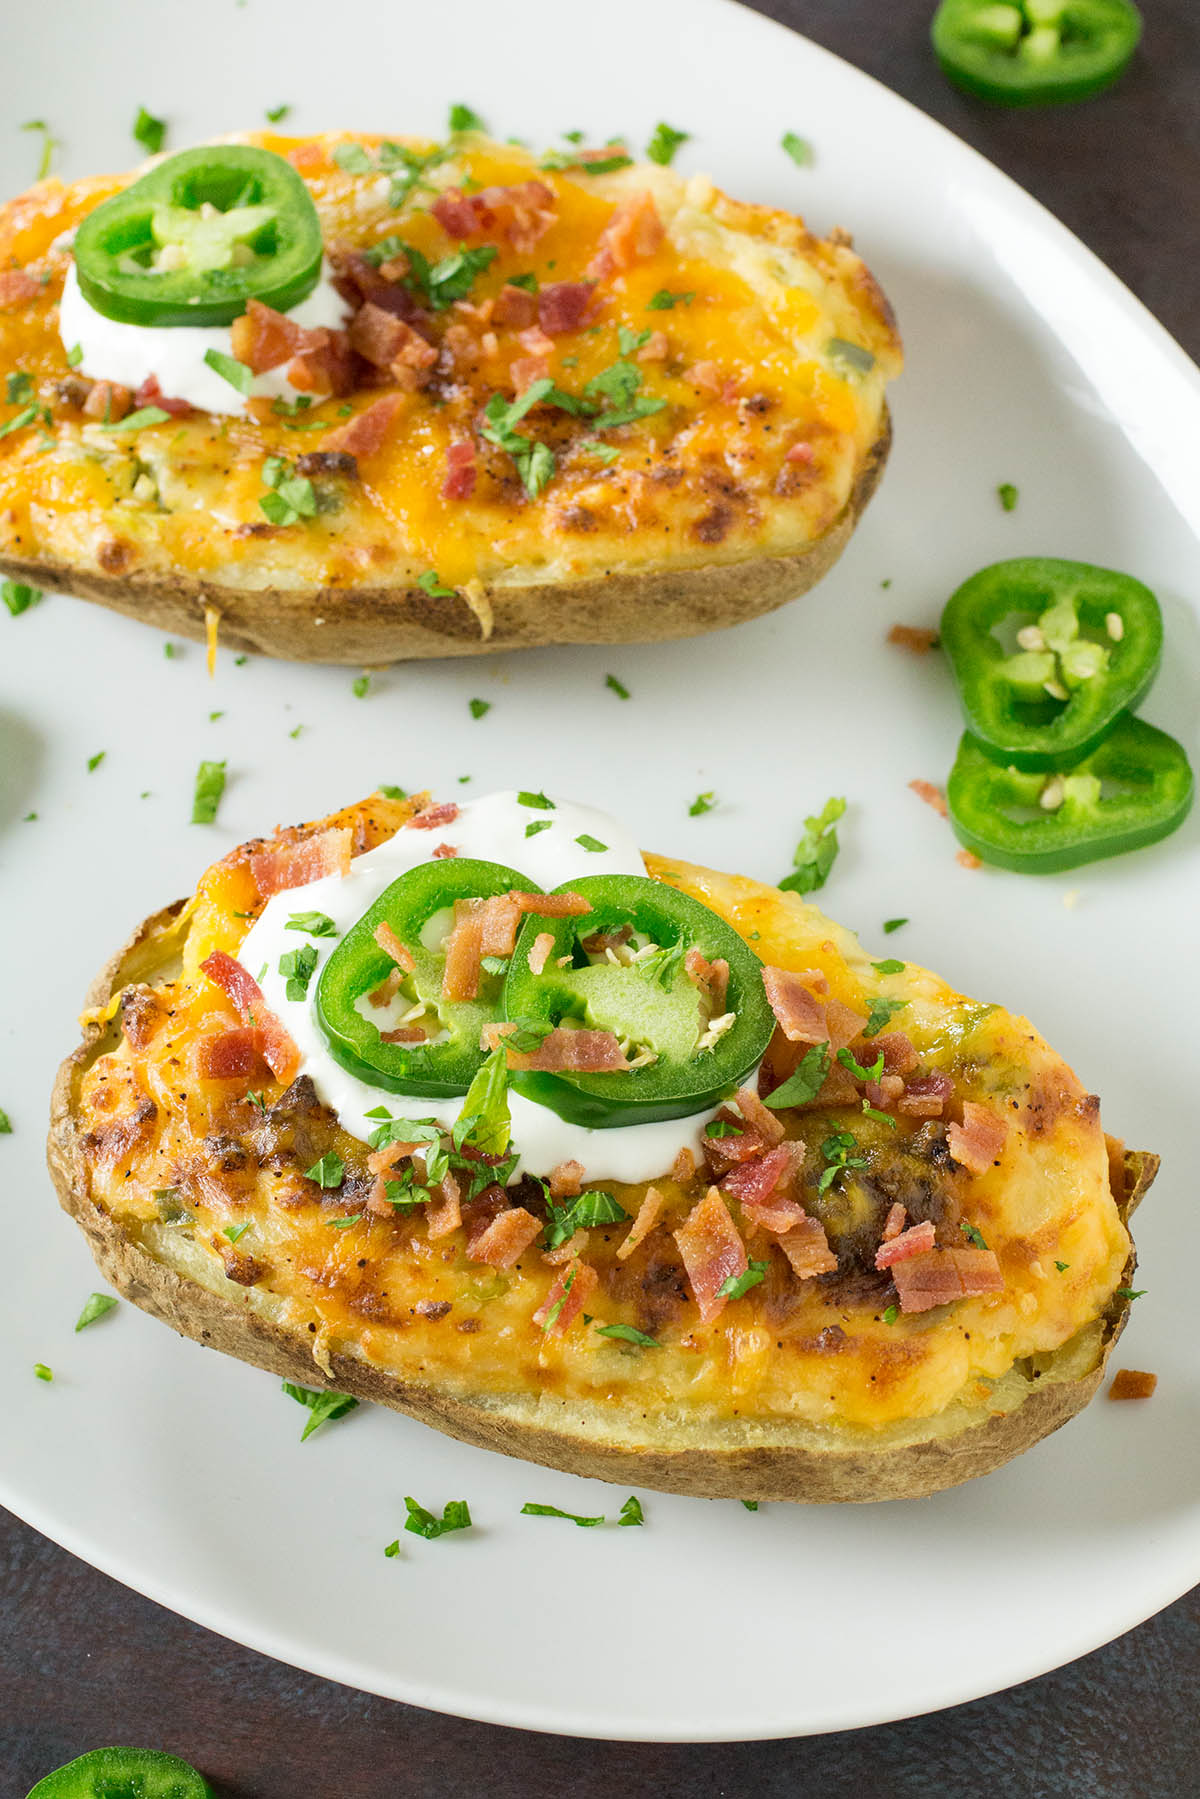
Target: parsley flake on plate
point(149, 132)
point(18, 596)
point(210, 785)
point(456, 1515)
point(95, 1306)
point(665, 142)
point(816, 851)
point(324, 1407)
point(530, 1510)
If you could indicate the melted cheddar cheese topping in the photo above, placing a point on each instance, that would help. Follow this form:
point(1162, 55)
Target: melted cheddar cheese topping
point(766, 423)
point(181, 1163)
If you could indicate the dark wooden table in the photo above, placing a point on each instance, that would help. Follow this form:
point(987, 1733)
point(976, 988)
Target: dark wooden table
point(84, 1662)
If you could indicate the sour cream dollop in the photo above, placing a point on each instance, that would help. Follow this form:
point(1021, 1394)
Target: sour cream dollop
point(493, 829)
point(130, 354)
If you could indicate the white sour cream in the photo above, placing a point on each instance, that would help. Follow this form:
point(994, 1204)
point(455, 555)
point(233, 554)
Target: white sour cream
point(129, 354)
point(493, 830)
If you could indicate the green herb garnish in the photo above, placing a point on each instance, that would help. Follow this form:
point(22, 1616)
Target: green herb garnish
point(628, 1334)
point(881, 1010)
point(737, 1284)
point(297, 967)
point(456, 1515)
point(665, 142)
point(798, 148)
point(805, 1082)
point(230, 369)
point(1008, 496)
point(95, 1306)
point(18, 596)
point(210, 785)
point(479, 707)
point(324, 1407)
point(703, 802)
point(330, 1171)
point(149, 132)
point(631, 1511)
point(530, 1510)
point(816, 851)
point(313, 924)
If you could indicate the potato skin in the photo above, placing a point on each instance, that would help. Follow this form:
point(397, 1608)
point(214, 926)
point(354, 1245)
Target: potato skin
point(372, 626)
point(820, 1467)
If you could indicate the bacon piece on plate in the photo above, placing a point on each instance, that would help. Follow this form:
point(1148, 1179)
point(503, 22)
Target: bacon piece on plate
point(635, 230)
point(364, 434)
point(521, 213)
point(461, 471)
point(391, 946)
point(643, 1224)
point(1132, 1383)
point(263, 338)
point(933, 796)
point(230, 1055)
point(539, 953)
point(918, 638)
point(279, 1052)
point(712, 1251)
point(432, 818)
point(711, 978)
point(151, 394)
point(444, 1214)
point(282, 865)
point(912, 1242)
point(508, 1236)
point(17, 286)
point(976, 1143)
point(565, 306)
point(566, 1051)
point(760, 1118)
point(798, 1012)
point(566, 1180)
point(807, 1249)
point(940, 1276)
point(514, 307)
point(566, 1299)
point(926, 1096)
point(754, 1182)
point(895, 1222)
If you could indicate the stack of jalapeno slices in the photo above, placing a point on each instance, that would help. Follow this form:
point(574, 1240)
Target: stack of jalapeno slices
point(1054, 770)
point(616, 963)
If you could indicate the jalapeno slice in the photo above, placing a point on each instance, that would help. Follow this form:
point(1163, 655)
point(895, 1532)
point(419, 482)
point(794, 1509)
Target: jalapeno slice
point(1086, 647)
point(420, 909)
point(683, 1059)
point(198, 237)
point(1031, 52)
point(1132, 790)
point(124, 1774)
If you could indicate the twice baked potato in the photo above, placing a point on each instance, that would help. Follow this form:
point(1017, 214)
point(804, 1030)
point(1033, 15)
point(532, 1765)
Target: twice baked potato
point(892, 1258)
point(574, 399)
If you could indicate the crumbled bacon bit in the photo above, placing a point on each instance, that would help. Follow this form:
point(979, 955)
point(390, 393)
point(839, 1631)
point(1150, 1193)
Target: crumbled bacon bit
point(230, 1056)
point(17, 286)
point(108, 401)
point(933, 796)
point(444, 852)
point(926, 1096)
point(1132, 1383)
point(521, 213)
point(526, 370)
point(635, 230)
point(460, 467)
point(599, 941)
point(940, 1276)
point(364, 435)
point(279, 1052)
point(508, 1236)
point(643, 1224)
point(464, 951)
point(807, 1249)
point(388, 342)
point(387, 989)
point(572, 1051)
point(754, 1182)
point(656, 348)
point(912, 1242)
point(760, 1118)
point(539, 952)
point(572, 1288)
point(683, 1167)
point(801, 453)
point(151, 394)
point(565, 306)
point(263, 338)
point(431, 818)
point(899, 1056)
point(712, 1251)
point(895, 1222)
point(967, 859)
point(976, 1143)
point(920, 639)
point(566, 1180)
point(706, 376)
point(444, 1214)
point(282, 865)
point(514, 307)
point(391, 946)
point(798, 1012)
point(710, 978)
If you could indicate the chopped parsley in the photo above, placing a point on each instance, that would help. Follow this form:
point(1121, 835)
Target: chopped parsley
point(538, 824)
point(893, 924)
point(617, 687)
point(805, 1082)
point(432, 584)
point(343, 1224)
point(880, 1012)
point(587, 842)
point(580, 1213)
point(537, 801)
point(95, 1306)
point(798, 148)
point(485, 1105)
point(74, 356)
point(361, 686)
point(456, 1515)
point(494, 964)
point(324, 1407)
point(616, 387)
point(628, 1333)
point(973, 1235)
point(94, 762)
point(18, 387)
point(479, 707)
point(330, 1171)
point(230, 369)
point(606, 453)
point(291, 497)
point(19, 420)
point(49, 145)
point(313, 924)
point(737, 1284)
point(665, 142)
point(891, 1315)
point(297, 966)
point(703, 802)
point(891, 966)
point(276, 114)
point(751, 1505)
point(150, 133)
point(1062, 1266)
point(552, 1316)
point(836, 1151)
point(18, 596)
point(724, 1127)
point(1132, 1292)
point(528, 281)
point(141, 420)
point(391, 792)
point(529, 1510)
point(870, 1111)
point(872, 1073)
point(170, 651)
point(534, 460)
point(405, 166)
point(816, 852)
point(234, 1231)
point(42, 1372)
point(1008, 496)
point(440, 283)
point(5, 1123)
point(665, 301)
point(631, 1511)
point(464, 118)
point(210, 785)
point(392, 1549)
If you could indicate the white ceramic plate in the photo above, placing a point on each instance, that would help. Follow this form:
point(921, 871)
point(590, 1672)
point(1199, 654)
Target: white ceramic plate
point(182, 1473)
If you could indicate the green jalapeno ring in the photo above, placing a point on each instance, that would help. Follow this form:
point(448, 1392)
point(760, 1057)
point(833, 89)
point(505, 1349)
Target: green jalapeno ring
point(439, 1070)
point(1035, 52)
point(657, 1004)
point(1043, 823)
point(1005, 702)
point(124, 1774)
point(234, 222)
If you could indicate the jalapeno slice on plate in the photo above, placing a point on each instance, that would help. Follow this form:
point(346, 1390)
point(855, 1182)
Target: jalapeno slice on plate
point(623, 969)
point(1084, 646)
point(1026, 52)
point(124, 1774)
point(1132, 790)
point(448, 998)
point(198, 237)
